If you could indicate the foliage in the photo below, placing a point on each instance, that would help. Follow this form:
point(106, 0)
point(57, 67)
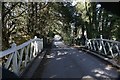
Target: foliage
point(21, 21)
point(97, 21)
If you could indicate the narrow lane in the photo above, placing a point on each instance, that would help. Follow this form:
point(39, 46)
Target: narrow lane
point(68, 62)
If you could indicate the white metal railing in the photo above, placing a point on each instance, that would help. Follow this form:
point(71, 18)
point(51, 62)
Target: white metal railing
point(106, 47)
point(18, 57)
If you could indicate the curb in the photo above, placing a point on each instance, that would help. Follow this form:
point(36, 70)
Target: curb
point(103, 58)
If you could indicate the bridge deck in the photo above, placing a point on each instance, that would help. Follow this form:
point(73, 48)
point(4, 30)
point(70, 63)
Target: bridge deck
point(67, 62)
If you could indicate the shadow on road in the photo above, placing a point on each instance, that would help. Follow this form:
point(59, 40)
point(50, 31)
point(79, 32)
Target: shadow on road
point(63, 61)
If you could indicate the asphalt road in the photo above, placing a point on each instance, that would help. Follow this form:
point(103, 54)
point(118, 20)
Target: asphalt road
point(68, 62)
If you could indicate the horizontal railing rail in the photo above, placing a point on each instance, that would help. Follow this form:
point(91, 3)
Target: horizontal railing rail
point(18, 57)
point(110, 48)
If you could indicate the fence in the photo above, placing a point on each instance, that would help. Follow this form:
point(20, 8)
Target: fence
point(106, 47)
point(18, 57)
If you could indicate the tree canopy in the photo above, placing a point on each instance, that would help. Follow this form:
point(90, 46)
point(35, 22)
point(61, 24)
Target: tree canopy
point(21, 21)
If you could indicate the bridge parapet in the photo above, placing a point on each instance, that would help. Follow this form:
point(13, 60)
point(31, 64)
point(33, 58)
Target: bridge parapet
point(110, 48)
point(17, 58)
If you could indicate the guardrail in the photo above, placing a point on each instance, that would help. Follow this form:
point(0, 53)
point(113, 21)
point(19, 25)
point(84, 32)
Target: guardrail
point(18, 57)
point(110, 48)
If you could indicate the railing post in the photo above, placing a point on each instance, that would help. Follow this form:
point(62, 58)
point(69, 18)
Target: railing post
point(101, 37)
point(94, 45)
point(103, 46)
point(35, 47)
point(100, 42)
point(31, 50)
point(35, 37)
point(15, 65)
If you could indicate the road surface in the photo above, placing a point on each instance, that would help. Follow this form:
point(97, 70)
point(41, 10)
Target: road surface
point(68, 62)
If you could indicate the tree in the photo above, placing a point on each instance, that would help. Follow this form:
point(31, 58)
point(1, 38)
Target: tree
point(22, 21)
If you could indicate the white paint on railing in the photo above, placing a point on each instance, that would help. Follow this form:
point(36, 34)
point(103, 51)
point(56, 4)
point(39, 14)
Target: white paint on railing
point(18, 57)
point(107, 47)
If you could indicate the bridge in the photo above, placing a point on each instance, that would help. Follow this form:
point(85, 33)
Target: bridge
point(89, 47)
point(95, 60)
